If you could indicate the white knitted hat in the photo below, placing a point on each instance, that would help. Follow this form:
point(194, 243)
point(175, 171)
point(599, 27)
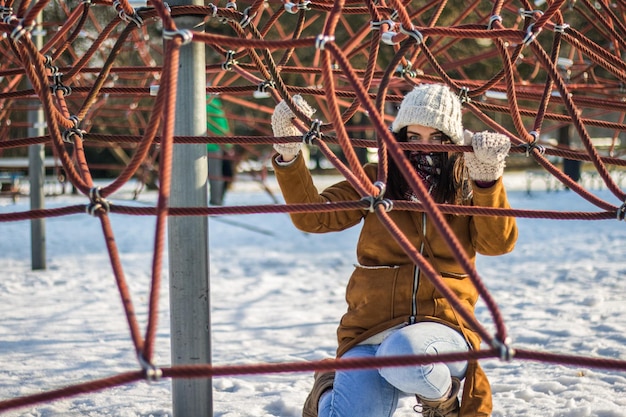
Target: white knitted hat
point(432, 105)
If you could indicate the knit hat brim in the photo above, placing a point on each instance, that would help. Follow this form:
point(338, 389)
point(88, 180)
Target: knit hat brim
point(432, 105)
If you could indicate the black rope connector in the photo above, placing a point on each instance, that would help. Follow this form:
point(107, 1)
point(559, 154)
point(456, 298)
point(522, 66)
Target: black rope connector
point(261, 91)
point(69, 133)
point(48, 64)
point(408, 70)
point(134, 18)
point(20, 30)
point(74, 119)
point(292, 8)
point(230, 61)
point(621, 212)
point(97, 202)
point(5, 12)
point(534, 145)
point(413, 33)
point(214, 8)
point(150, 371)
point(313, 133)
point(375, 201)
point(246, 19)
point(492, 20)
point(531, 34)
point(561, 28)
point(57, 78)
point(377, 25)
point(321, 40)
point(464, 95)
point(185, 34)
point(506, 352)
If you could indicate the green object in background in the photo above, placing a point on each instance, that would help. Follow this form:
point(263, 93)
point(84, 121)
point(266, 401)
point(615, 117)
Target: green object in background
point(217, 124)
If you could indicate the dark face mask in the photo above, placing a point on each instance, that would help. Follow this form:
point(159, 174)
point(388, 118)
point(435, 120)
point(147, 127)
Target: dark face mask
point(428, 166)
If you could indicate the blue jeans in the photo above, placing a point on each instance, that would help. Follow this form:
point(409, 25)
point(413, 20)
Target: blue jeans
point(375, 392)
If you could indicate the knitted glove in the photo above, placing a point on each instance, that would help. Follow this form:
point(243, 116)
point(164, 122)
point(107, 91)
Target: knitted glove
point(282, 126)
point(486, 163)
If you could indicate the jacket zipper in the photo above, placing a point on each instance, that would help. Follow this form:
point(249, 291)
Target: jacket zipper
point(416, 275)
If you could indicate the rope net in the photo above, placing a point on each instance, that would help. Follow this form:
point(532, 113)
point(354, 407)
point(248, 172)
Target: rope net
point(105, 74)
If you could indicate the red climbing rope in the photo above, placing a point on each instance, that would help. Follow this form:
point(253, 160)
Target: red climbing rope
point(519, 71)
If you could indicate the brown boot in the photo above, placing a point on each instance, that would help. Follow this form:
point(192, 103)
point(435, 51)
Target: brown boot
point(441, 408)
point(322, 383)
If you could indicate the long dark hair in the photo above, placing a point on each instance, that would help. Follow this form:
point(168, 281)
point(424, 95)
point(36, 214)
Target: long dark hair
point(453, 186)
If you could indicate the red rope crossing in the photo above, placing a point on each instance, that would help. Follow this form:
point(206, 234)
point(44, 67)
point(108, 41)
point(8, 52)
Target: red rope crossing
point(560, 66)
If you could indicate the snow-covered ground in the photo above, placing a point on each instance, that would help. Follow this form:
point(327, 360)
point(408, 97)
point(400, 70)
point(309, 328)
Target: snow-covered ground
point(277, 295)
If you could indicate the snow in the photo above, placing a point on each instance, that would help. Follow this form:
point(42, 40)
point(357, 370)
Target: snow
point(277, 295)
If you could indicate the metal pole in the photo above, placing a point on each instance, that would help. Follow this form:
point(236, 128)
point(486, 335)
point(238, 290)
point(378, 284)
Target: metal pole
point(37, 173)
point(188, 236)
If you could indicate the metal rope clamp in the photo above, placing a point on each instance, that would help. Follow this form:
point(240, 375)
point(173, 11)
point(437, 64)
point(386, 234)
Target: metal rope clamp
point(246, 19)
point(321, 40)
point(379, 199)
point(534, 145)
point(464, 95)
point(506, 352)
point(408, 70)
point(492, 20)
point(97, 202)
point(5, 12)
point(185, 34)
point(377, 25)
point(67, 135)
point(261, 91)
point(230, 61)
point(621, 212)
point(134, 18)
point(57, 78)
point(151, 372)
point(413, 33)
point(20, 30)
point(313, 133)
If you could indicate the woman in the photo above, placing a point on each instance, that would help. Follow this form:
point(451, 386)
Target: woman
point(393, 309)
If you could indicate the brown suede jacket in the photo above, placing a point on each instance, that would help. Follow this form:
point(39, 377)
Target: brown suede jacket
point(380, 291)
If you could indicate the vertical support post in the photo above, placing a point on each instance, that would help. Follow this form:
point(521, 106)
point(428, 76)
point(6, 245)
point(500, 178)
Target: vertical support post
point(188, 236)
point(37, 173)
